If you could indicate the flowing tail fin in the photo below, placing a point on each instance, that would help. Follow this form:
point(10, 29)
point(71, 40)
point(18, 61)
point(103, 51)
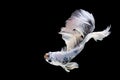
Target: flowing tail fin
point(97, 35)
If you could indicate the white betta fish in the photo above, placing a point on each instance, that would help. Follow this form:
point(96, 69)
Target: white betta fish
point(78, 30)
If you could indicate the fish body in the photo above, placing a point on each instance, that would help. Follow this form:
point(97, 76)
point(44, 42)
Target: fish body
point(77, 32)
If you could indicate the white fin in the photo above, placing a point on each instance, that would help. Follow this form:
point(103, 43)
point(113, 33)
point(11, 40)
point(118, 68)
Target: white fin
point(97, 35)
point(77, 26)
point(70, 66)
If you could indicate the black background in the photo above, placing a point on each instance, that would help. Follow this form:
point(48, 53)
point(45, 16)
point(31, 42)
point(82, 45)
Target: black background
point(36, 27)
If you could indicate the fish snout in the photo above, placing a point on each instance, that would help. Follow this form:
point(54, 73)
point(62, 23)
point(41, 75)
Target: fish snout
point(46, 56)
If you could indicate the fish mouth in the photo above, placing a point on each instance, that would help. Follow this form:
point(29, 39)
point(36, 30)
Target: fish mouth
point(46, 56)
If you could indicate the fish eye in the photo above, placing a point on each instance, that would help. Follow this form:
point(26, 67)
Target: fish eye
point(49, 60)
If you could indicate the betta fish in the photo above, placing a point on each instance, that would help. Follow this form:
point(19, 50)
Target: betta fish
point(76, 33)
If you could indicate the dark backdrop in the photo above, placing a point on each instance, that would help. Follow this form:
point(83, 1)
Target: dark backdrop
point(38, 27)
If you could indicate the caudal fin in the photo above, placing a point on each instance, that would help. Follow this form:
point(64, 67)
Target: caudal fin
point(102, 34)
point(97, 35)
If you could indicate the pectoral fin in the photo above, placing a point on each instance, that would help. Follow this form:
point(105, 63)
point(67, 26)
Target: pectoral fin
point(70, 66)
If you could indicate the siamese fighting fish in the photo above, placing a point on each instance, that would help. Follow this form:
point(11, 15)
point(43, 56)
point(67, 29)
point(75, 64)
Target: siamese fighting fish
point(77, 32)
